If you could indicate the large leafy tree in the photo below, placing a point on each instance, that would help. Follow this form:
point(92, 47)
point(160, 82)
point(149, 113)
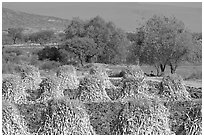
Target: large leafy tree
point(166, 42)
point(110, 42)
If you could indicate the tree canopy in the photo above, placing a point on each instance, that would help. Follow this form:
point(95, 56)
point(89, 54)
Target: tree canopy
point(162, 41)
point(110, 42)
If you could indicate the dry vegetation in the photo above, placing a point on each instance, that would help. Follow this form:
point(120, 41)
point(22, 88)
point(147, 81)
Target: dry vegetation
point(66, 104)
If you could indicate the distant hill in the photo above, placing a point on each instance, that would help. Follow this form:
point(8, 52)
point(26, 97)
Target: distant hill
point(31, 22)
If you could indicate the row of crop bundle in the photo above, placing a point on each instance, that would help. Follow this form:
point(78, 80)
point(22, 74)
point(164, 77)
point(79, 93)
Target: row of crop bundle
point(136, 111)
point(184, 103)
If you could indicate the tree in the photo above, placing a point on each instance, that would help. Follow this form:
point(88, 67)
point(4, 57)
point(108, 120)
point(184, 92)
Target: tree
point(166, 42)
point(84, 48)
point(41, 37)
point(110, 41)
point(15, 33)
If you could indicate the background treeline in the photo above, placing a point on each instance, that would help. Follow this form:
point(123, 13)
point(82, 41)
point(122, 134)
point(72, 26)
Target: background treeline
point(161, 41)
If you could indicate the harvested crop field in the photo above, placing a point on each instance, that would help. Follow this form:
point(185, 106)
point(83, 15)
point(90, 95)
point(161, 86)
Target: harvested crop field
point(69, 103)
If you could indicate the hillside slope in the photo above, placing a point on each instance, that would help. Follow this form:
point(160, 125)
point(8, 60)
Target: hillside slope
point(33, 22)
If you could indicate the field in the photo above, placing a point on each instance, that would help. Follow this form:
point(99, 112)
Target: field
point(185, 71)
point(87, 101)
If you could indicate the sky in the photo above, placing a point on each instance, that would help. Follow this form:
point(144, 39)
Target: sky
point(126, 15)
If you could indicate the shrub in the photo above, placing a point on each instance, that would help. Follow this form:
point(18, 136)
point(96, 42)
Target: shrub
point(49, 53)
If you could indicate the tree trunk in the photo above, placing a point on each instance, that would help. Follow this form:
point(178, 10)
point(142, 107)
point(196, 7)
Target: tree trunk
point(89, 59)
point(81, 61)
point(157, 69)
point(14, 40)
point(173, 68)
point(138, 62)
point(162, 67)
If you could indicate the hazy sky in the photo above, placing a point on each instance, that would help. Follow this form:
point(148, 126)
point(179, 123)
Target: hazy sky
point(125, 15)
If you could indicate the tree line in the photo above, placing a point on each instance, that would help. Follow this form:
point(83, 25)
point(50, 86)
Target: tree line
point(161, 41)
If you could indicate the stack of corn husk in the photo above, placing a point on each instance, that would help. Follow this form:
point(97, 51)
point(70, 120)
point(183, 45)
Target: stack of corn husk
point(173, 89)
point(68, 77)
point(92, 89)
point(101, 72)
point(13, 89)
point(12, 122)
point(50, 89)
point(66, 117)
